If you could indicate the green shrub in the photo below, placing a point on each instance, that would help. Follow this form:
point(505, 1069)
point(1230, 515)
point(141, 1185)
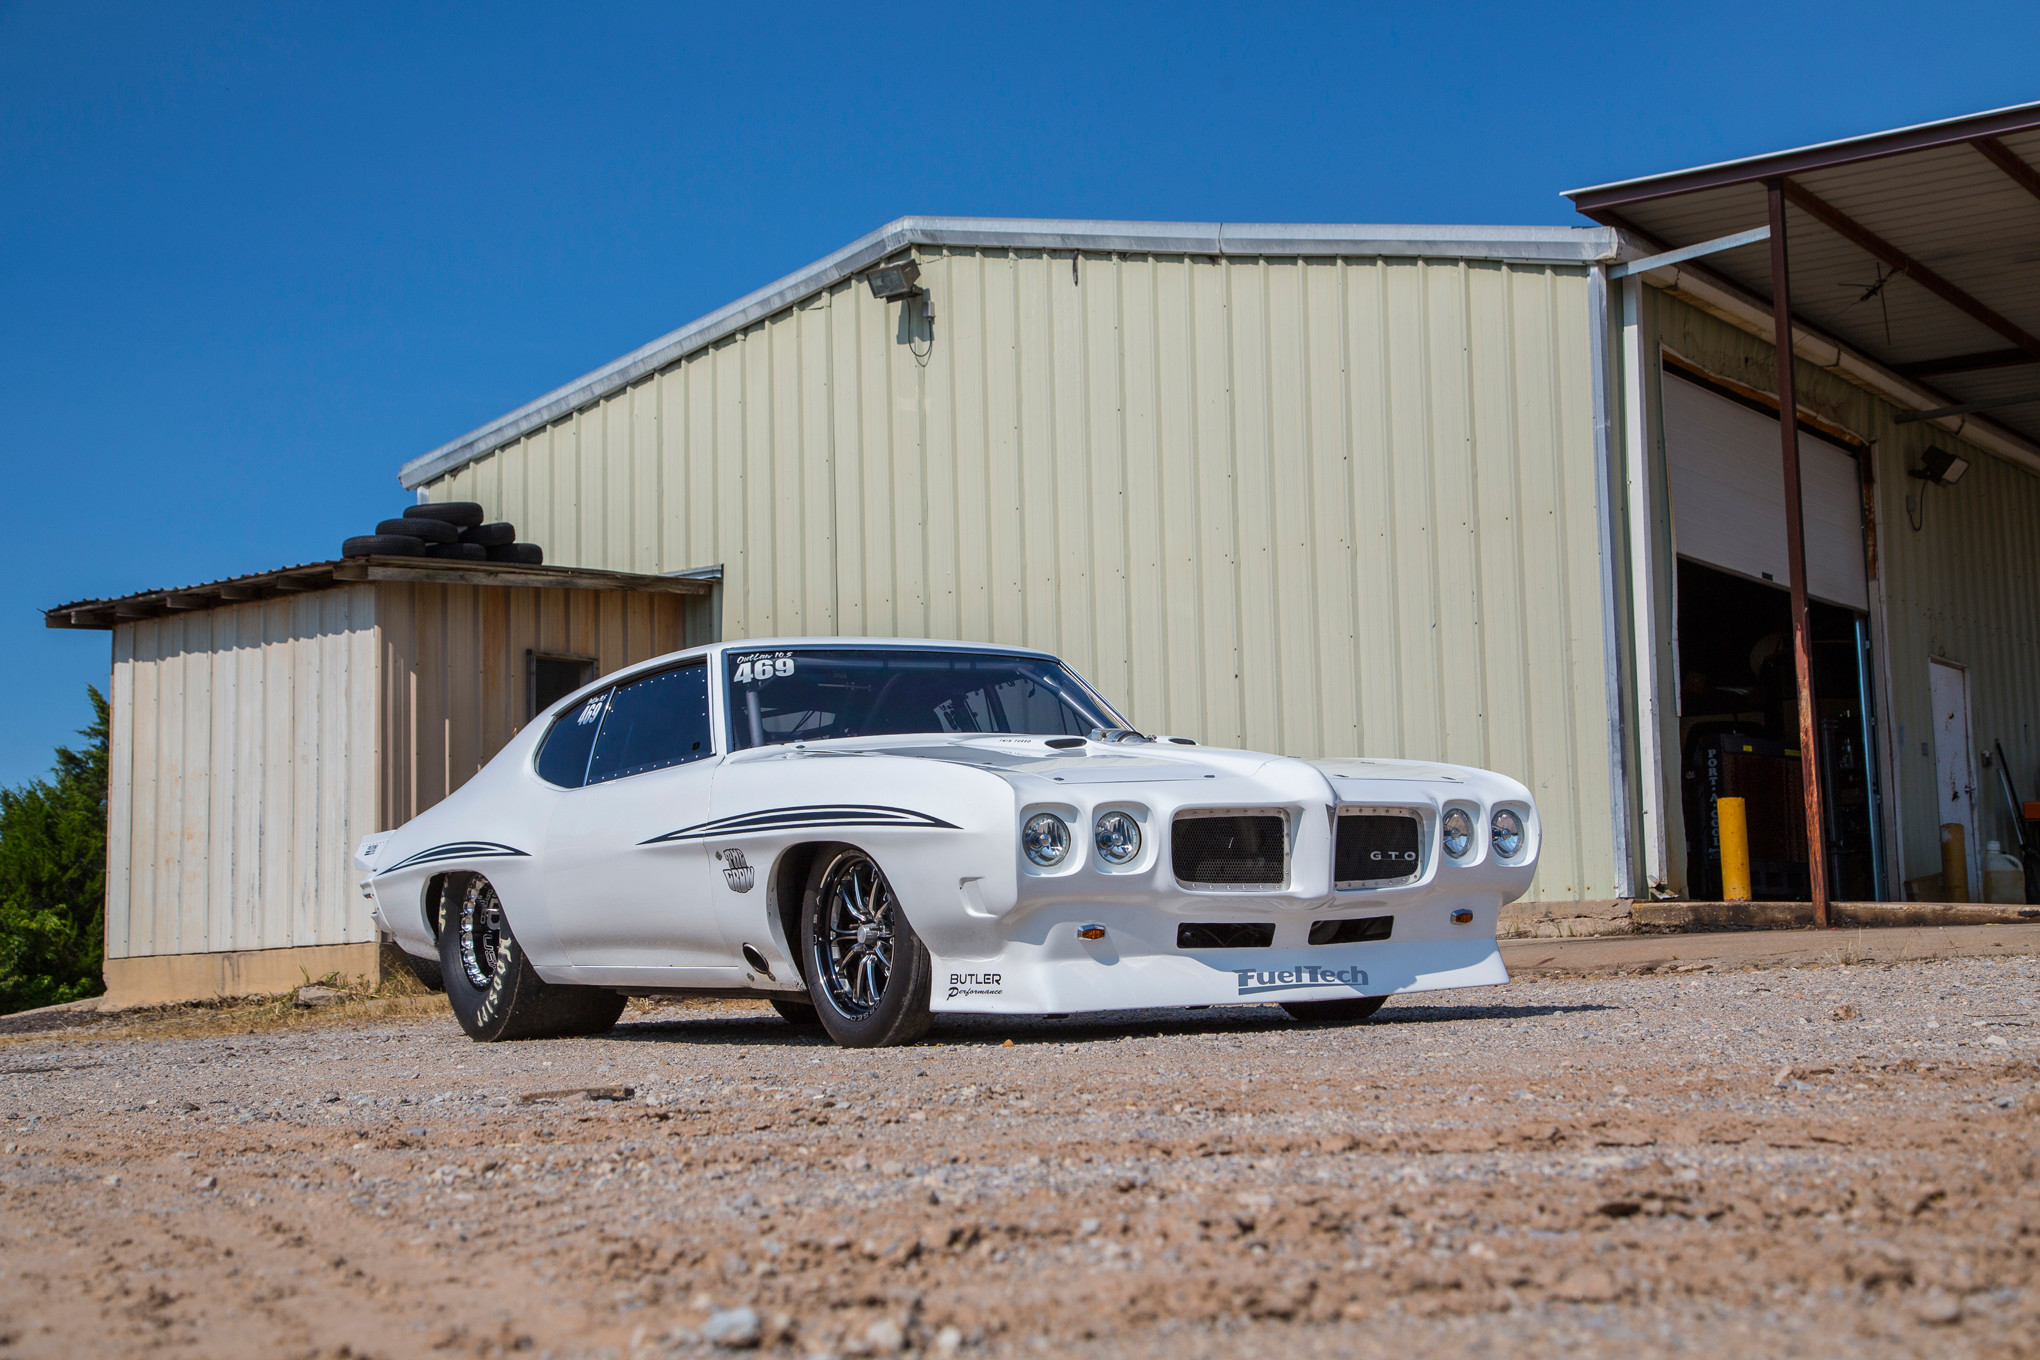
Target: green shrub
point(53, 877)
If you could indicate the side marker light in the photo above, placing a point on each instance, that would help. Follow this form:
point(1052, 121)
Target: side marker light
point(1462, 917)
point(1090, 932)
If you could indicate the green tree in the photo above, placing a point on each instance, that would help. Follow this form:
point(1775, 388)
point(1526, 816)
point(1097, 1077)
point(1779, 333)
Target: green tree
point(53, 877)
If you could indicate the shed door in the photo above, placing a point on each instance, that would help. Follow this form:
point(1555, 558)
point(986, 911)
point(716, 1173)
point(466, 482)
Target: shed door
point(1728, 496)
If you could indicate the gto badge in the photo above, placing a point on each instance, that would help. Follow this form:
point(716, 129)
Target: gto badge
point(737, 870)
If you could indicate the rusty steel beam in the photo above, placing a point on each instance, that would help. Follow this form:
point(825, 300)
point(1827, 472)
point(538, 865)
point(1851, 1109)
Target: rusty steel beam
point(2007, 160)
point(1851, 230)
point(1775, 193)
point(1966, 363)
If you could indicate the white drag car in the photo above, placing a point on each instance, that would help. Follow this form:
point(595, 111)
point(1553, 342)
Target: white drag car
point(866, 832)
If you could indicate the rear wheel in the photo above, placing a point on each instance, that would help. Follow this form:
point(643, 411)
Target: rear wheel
point(496, 993)
point(867, 970)
point(1349, 1011)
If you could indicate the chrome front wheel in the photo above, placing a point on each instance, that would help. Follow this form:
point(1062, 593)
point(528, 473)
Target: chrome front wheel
point(857, 943)
point(867, 970)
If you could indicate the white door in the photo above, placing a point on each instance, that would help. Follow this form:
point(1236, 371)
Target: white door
point(1728, 496)
point(632, 903)
point(1954, 785)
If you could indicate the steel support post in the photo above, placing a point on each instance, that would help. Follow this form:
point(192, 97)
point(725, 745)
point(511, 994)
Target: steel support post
point(1795, 553)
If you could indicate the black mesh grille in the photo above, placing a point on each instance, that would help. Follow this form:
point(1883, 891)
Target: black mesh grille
point(1374, 846)
point(1225, 935)
point(1230, 851)
point(1352, 932)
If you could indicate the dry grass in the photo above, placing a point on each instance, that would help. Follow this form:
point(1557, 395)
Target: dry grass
point(254, 1015)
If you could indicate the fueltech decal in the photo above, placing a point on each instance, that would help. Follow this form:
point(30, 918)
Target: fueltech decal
point(1253, 983)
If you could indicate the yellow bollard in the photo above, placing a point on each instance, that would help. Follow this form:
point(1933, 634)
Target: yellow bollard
point(1735, 849)
point(1954, 864)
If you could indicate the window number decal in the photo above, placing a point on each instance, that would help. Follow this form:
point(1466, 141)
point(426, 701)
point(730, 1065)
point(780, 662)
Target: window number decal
point(762, 668)
point(591, 711)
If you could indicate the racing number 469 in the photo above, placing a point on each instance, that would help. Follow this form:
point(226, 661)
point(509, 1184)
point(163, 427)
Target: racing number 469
point(764, 668)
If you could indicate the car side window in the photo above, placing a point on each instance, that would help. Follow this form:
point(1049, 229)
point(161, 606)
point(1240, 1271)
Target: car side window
point(563, 756)
point(653, 723)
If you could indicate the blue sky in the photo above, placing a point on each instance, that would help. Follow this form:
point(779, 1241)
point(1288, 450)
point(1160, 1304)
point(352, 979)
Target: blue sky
point(251, 260)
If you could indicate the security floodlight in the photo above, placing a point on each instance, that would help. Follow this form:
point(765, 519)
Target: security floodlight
point(890, 281)
point(1941, 467)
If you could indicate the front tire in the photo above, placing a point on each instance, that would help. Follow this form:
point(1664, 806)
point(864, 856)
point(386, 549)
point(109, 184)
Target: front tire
point(496, 993)
point(1350, 1011)
point(867, 970)
point(799, 1014)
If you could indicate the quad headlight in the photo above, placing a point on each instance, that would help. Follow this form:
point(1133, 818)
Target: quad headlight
point(1506, 830)
point(1118, 836)
point(1457, 828)
point(1046, 839)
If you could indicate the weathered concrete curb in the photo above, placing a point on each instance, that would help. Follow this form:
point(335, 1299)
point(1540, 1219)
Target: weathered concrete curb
point(1726, 951)
point(1799, 915)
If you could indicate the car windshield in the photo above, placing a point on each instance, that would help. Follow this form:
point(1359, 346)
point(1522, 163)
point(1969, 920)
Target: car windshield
point(802, 695)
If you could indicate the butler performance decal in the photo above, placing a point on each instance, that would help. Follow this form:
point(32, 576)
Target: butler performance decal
point(975, 984)
point(1253, 982)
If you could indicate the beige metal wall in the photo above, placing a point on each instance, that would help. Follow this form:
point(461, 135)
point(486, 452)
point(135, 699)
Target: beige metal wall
point(254, 745)
point(1323, 506)
point(453, 658)
point(1965, 587)
point(242, 775)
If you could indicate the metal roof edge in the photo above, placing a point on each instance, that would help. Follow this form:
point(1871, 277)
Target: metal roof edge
point(1866, 146)
point(310, 576)
point(1565, 245)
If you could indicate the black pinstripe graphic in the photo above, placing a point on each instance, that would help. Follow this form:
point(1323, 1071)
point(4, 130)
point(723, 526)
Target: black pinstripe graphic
point(456, 850)
point(802, 818)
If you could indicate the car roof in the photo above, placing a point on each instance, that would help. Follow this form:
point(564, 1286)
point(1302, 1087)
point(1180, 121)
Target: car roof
point(780, 644)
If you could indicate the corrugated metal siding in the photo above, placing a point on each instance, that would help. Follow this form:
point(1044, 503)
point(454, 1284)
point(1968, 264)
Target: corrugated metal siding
point(242, 776)
point(256, 744)
point(1966, 587)
point(1315, 506)
point(454, 663)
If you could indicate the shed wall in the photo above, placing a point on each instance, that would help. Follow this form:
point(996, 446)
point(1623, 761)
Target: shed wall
point(453, 658)
point(242, 775)
point(1965, 587)
point(1316, 506)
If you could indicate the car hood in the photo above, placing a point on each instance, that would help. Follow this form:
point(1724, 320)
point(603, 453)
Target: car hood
point(1093, 762)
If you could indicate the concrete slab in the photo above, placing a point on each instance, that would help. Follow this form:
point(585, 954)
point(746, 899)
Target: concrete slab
point(1723, 951)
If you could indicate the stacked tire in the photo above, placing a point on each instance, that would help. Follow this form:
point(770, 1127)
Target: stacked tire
point(449, 529)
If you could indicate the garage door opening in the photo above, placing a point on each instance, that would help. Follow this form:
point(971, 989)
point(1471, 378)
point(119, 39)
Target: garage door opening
point(1739, 735)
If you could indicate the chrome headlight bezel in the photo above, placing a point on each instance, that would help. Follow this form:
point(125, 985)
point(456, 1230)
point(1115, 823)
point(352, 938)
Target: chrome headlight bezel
point(1456, 824)
point(1045, 840)
point(1506, 833)
point(1119, 846)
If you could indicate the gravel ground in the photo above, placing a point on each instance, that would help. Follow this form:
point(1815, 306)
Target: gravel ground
point(1824, 1161)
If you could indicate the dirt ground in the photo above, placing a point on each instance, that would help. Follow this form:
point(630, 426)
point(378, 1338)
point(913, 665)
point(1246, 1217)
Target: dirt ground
point(1826, 1161)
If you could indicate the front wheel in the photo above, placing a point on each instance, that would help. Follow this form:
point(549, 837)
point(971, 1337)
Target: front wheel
point(1348, 1011)
point(496, 993)
point(867, 970)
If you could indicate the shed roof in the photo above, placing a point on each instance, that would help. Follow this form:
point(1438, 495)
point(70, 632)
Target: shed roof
point(1914, 247)
point(311, 576)
point(1567, 245)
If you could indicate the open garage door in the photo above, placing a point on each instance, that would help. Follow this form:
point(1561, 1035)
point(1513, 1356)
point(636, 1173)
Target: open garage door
point(1728, 495)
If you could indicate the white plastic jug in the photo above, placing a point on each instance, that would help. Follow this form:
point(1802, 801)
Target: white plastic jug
point(2004, 878)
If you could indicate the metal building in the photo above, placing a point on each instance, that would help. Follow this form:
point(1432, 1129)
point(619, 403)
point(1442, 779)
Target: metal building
point(1510, 497)
point(261, 726)
point(1436, 492)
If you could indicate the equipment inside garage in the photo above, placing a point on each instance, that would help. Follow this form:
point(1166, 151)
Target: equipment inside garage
point(1738, 705)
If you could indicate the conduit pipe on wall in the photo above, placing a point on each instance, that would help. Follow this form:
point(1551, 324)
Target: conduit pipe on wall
point(1709, 295)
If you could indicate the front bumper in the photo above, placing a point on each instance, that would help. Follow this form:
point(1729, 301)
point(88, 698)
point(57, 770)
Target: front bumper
point(1049, 977)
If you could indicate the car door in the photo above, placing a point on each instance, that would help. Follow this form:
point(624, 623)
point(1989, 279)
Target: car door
point(623, 898)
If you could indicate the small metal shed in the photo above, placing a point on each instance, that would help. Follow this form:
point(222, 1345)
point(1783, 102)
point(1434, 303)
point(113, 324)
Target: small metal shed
point(262, 725)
